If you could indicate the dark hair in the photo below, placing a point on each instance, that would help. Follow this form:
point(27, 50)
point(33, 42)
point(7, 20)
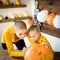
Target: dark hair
point(20, 25)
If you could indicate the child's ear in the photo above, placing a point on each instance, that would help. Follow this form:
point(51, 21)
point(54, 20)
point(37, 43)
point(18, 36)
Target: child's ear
point(38, 32)
point(15, 31)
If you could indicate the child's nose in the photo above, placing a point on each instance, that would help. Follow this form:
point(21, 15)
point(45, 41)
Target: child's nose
point(23, 36)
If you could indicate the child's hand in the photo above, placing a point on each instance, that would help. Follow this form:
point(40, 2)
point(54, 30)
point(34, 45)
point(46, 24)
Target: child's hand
point(46, 45)
point(24, 50)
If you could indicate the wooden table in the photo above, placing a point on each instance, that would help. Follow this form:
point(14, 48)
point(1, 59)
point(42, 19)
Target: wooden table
point(5, 56)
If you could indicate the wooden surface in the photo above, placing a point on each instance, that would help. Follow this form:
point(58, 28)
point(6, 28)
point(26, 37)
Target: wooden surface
point(56, 56)
point(4, 56)
point(10, 20)
point(12, 6)
point(51, 30)
point(51, 5)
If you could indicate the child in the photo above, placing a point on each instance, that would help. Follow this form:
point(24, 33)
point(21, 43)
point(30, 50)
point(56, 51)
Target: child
point(36, 37)
point(14, 34)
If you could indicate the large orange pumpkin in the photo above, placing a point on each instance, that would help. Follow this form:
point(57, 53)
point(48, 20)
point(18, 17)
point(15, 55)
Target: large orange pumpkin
point(50, 18)
point(31, 22)
point(39, 52)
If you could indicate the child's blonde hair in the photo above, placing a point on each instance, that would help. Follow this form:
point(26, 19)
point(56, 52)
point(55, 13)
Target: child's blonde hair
point(34, 28)
point(20, 25)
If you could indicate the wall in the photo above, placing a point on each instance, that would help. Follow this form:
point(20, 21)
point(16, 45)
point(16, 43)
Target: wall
point(54, 41)
point(29, 9)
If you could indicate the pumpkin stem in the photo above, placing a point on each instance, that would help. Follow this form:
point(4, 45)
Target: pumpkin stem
point(39, 52)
